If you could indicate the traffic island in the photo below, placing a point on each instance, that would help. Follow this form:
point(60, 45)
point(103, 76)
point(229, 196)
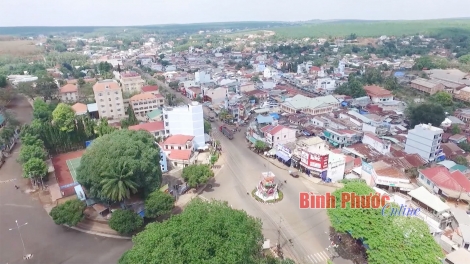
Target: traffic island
point(267, 190)
point(279, 198)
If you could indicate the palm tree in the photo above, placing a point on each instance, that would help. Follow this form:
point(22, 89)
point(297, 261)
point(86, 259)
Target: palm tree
point(118, 184)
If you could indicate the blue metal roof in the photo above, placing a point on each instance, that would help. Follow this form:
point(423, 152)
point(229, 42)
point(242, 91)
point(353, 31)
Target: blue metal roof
point(261, 119)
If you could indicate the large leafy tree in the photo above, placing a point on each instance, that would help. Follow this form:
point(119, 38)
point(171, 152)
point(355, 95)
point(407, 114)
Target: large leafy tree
point(426, 113)
point(353, 88)
point(206, 232)
point(69, 213)
point(125, 221)
point(28, 139)
point(195, 175)
point(63, 117)
point(442, 98)
point(118, 184)
point(41, 110)
point(135, 148)
point(391, 240)
point(158, 203)
point(47, 88)
point(31, 151)
point(34, 168)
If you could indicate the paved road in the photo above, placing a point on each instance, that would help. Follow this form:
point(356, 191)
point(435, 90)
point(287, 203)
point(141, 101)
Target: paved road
point(48, 242)
point(306, 228)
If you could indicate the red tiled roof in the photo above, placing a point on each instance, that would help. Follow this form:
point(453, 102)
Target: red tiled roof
point(150, 127)
point(374, 90)
point(315, 68)
point(276, 129)
point(441, 177)
point(178, 140)
point(180, 154)
point(460, 178)
point(68, 88)
point(415, 160)
point(267, 128)
point(150, 88)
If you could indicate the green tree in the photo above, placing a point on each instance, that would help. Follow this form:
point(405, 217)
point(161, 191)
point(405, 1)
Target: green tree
point(104, 128)
point(353, 88)
point(125, 222)
point(442, 98)
point(194, 175)
point(27, 89)
point(108, 152)
point(6, 134)
point(42, 111)
point(46, 88)
point(465, 59)
point(34, 168)
point(158, 203)
point(173, 85)
point(63, 117)
point(207, 127)
point(407, 239)
point(455, 129)
point(6, 95)
point(461, 160)
point(425, 113)
point(260, 146)
point(425, 62)
point(391, 83)
point(118, 184)
point(205, 232)
point(131, 120)
point(69, 213)
point(372, 76)
point(3, 81)
point(29, 152)
point(28, 139)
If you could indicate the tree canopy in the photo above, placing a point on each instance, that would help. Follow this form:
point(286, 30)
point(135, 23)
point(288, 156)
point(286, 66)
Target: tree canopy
point(389, 239)
point(353, 88)
point(34, 168)
point(207, 127)
point(158, 203)
point(69, 213)
point(125, 222)
point(28, 152)
point(195, 175)
point(42, 111)
point(63, 116)
point(205, 232)
point(3, 81)
point(442, 98)
point(425, 113)
point(122, 155)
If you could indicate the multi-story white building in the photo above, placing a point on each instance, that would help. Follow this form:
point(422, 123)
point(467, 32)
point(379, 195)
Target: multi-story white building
point(202, 77)
point(185, 120)
point(270, 72)
point(278, 134)
point(144, 103)
point(131, 82)
point(108, 98)
point(425, 140)
point(69, 93)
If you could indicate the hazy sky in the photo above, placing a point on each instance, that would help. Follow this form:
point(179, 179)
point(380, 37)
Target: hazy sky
point(148, 12)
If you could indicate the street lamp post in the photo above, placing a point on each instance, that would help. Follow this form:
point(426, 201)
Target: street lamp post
point(18, 226)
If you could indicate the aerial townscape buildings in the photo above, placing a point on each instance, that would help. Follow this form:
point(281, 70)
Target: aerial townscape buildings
point(332, 112)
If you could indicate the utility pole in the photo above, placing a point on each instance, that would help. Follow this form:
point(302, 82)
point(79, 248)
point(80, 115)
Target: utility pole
point(18, 226)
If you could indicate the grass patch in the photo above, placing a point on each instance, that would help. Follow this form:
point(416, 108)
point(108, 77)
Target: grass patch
point(371, 28)
point(18, 48)
point(281, 196)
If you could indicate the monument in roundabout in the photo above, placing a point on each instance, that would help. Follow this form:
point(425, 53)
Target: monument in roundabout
point(267, 189)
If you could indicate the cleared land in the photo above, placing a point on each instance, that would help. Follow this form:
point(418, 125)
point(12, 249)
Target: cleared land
point(370, 28)
point(18, 48)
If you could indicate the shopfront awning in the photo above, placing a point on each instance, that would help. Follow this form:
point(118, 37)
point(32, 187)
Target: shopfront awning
point(283, 156)
point(252, 140)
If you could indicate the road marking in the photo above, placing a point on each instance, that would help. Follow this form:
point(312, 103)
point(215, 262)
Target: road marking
point(19, 205)
point(319, 257)
point(7, 181)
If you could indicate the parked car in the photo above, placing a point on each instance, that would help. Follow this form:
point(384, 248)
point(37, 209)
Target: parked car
point(294, 174)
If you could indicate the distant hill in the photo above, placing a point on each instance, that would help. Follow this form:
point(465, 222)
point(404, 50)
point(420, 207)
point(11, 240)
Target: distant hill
point(370, 28)
point(168, 28)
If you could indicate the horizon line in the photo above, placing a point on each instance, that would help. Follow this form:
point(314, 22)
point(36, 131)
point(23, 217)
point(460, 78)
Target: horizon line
point(255, 21)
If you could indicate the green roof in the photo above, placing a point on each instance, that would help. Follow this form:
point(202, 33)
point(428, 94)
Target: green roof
point(2, 119)
point(458, 167)
point(154, 113)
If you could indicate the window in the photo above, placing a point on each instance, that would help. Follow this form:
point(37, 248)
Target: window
point(428, 182)
point(117, 98)
point(109, 99)
point(108, 93)
point(100, 94)
point(118, 103)
point(104, 111)
point(168, 131)
point(111, 110)
point(101, 100)
point(116, 92)
point(277, 137)
point(285, 136)
point(110, 105)
point(422, 177)
point(102, 105)
point(119, 110)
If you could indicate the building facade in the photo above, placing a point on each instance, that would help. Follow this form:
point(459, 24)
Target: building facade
point(131, 82)
point(185, 120)
point(69, 93)
point(378, 94)
point(275, 135)
point(108, 98)
point(425, 140)
point(313, 106)
point(144, 103)
point(428, 86)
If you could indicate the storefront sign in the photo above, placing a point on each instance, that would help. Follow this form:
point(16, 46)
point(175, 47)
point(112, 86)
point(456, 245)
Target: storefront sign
point(314, 160)
point(283, 149)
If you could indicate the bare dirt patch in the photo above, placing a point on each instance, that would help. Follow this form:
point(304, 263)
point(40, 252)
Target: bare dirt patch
point(18, 48)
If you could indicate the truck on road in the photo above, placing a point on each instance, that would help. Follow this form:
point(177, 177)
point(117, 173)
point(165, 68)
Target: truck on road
point(226, 131)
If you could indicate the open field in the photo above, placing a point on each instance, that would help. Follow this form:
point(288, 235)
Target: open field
point(370, 28)
point(18, 48)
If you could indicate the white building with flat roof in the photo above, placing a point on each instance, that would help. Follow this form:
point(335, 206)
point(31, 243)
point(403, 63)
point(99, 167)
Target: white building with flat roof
point(185, 120)
point(425, 140)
